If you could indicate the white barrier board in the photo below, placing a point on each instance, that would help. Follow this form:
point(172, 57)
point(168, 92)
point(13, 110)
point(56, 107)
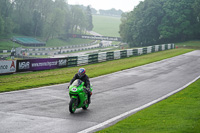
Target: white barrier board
point(7, 66)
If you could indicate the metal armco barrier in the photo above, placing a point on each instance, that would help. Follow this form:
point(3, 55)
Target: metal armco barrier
point(117, 54)
point(153, 49)
point(102, 56)
point(156, 48)
point(140, 51)
point(72, 61)
point(123, 53)
point(160, 48)
point(144, 51)
point(149, 49)
point(93, 58)
point(135, 52)
point(5, 51)
point(82, 60)
point(52, 63)
point(110, 56)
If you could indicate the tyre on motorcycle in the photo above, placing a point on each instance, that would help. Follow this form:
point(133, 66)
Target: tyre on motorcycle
point(72, 105)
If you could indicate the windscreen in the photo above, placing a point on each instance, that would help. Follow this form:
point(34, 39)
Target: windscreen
point(77, 82)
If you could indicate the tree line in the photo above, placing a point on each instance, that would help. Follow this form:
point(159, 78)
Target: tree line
point(109, 12)
point(161, 21)
point(43, 18)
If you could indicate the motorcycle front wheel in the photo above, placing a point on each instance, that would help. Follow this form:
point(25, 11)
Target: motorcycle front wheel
point(72, 105)
point(85, 106)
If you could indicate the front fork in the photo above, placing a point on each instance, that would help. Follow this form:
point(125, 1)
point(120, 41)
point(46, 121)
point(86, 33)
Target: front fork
point(76, 100)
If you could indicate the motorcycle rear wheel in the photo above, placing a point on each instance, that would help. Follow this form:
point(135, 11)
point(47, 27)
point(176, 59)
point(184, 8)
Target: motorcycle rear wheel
point(72, 105)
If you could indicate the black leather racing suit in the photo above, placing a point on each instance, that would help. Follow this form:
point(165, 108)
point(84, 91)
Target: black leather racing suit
point(86, 81)
point(84, 78)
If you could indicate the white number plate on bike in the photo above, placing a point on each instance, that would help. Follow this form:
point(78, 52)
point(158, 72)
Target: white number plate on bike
point(74, 89)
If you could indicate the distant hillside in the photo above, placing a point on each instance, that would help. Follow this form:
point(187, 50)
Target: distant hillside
point(111, 12)
point(106, 25)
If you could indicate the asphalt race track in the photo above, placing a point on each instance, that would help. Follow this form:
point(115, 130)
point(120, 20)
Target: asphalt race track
point(45, 110)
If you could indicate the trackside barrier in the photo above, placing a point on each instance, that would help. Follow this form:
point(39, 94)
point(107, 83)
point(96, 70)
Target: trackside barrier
point(149, 49)
point(93, 58)
point(52, 63)
point(144, 50)
point(102, 57)
point(72, 61)
point(169, 46)
point(110, 56)
point(135, 52)
point(40, 64)
point(129, 52)
point(173, 46)
point(82, 60)
point(117, 54)
point(166, 46)
point(123, 53)
point(160, 48)
point(163, 47)
point(7, 66)
point(153, 49)
point(157, 47)
point(5, 51)
point(64, 47)
point(140, 51)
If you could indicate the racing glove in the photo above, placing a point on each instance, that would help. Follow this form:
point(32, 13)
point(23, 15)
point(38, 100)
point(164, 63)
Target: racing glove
point(89, 91)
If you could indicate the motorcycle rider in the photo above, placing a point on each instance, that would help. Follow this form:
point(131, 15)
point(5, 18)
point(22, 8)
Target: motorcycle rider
point(83, 77)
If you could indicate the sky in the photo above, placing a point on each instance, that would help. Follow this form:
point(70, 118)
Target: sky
point(124, 5)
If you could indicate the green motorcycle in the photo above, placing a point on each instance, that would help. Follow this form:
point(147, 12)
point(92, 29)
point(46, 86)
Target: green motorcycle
point(78, 96)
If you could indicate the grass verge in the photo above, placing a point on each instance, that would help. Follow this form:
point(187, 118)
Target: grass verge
point(21, 81)
point(195, 44)
point(8, 45)
point(179, 113)
point(72, 41)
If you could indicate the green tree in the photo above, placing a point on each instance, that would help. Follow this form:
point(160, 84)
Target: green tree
point(78, 19)
point(161, 21)
point(1, 26)
point(55, 20)
point(37, 23)
point(139, 28)
point(196, 7)
point(6, 23)
point(8, 26)
point(178, 21)
point(125, 27)
point(89, 19)
point(43, 18)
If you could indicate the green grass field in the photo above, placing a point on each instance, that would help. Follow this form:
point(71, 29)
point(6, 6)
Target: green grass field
point(189, 44)
point(8, 45)
point(107, 26)
point(179, 113)
point(21, 81)
point(72, 41)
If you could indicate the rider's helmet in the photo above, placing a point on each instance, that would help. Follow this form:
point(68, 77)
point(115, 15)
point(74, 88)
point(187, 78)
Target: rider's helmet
point(81, 72)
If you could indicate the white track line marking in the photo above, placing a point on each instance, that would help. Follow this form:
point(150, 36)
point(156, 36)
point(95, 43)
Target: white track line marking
point(135, 110)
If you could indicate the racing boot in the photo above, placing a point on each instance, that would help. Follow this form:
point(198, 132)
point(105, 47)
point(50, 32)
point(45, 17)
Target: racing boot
point(89, 101)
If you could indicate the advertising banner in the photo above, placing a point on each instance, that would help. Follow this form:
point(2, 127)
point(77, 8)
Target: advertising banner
point(41, 64)
point(7, 66)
